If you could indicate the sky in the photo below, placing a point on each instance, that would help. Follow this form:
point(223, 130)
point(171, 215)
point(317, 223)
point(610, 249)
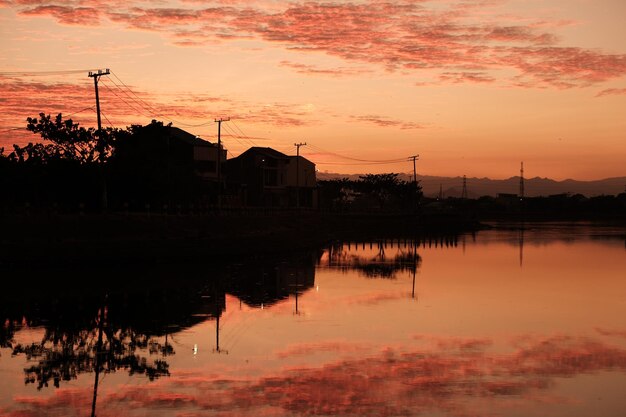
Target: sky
point(473, 87)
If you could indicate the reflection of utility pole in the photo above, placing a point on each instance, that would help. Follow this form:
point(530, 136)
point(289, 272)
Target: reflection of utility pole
point(297, 145)
point(217, 336)
point(521, 245)
point(101, 318)
point(414, 267)
point(100, 144)
point(219, 158)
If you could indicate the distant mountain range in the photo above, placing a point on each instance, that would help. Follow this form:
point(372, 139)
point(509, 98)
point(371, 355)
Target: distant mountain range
point(533, 187)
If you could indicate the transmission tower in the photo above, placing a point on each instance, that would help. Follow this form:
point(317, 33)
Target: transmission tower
point(521, 182)
point(464, 192)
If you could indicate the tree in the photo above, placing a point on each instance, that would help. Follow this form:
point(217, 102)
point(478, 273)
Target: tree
point(69, 141)
point(380, 186)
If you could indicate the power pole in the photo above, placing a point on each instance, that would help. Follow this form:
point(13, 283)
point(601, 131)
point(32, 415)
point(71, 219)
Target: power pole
point(219, 158)
point(100, 144)
point(297, 145)
point(464, 192)
point(414, 158)
point(96, 77)
point(521, 182)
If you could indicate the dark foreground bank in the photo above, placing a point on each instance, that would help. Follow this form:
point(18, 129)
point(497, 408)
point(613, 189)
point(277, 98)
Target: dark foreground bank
point(118, 239)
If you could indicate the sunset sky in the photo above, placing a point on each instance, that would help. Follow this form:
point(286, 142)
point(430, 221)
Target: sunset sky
point(472, 86)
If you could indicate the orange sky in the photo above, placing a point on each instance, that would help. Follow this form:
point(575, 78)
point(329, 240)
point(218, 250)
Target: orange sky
point(473, 86)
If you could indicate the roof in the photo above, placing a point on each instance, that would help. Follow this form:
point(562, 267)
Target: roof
point(272, 153)
point(188, 138)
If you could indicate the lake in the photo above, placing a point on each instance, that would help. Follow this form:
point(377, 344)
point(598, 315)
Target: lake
point(504, 322)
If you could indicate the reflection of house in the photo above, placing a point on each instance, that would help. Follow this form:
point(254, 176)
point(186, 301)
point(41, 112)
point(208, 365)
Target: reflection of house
point(266, 284)
point(204, 154)
point(266, 177)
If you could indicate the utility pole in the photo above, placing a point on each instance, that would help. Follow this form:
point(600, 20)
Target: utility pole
point(464, 192)
point(414, 158)
point(521, 182)
point(219, 158)
point(96, 77)
point(100, 144)
point(297, 145)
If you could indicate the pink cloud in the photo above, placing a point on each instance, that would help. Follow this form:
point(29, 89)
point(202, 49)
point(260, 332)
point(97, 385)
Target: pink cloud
point(408, 36)
point(121, 107)
point(86, 16)
point(612, 92)
point(314, 70)
point(463, 77)
point(385, 122)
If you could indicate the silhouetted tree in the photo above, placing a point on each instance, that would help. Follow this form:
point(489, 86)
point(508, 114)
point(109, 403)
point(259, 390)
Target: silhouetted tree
point(68, 140)
point(384, 187)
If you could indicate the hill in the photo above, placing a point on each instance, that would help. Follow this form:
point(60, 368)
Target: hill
point(533, 187)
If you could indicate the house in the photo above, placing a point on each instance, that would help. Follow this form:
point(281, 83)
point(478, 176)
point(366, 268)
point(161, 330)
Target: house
point(266, 177)
point(201, 153)
point(160, 164)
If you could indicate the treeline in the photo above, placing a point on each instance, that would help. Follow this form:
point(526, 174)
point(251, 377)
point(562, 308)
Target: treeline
point(136, 168)
point(382, 192)
point(554, 207)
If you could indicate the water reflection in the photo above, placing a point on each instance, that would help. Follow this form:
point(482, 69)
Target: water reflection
point(381, 259)
point(484, 331)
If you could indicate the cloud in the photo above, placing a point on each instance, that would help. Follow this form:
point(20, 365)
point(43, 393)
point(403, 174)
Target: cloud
point(463, 77)
point(86, 16)
point(386, 122)
point(459, 38)
point(314, 70)
point(612, 92)
point(122, 106)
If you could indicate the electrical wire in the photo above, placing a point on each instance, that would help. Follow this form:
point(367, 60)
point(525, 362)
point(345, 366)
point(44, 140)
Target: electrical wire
point(42, 73)
point(242, 133)
point(381, 161)
point(149, 107)
point(107, 119)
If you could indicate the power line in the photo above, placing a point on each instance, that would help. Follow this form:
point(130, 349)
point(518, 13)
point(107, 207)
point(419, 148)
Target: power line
point(322, 150)
point(107, 119)
point(125, 102)
point(43, 73)
point(234, 136)
point(150, 107)
point(361, 163)
point(244, 135)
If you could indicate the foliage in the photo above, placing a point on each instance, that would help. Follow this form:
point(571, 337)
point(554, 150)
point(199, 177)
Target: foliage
point(68, 141)
point(386, 190)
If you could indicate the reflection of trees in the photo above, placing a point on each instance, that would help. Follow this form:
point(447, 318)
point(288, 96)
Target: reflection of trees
point(134, 331)
point(377, 262)
point(63, 354)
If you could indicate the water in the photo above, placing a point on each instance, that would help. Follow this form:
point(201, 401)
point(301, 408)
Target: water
point(502, 323)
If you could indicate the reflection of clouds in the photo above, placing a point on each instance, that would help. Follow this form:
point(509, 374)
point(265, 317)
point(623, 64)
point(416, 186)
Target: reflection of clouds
point(609, 332)
point(375, 298)
point(453, 378)
point(325, 346)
